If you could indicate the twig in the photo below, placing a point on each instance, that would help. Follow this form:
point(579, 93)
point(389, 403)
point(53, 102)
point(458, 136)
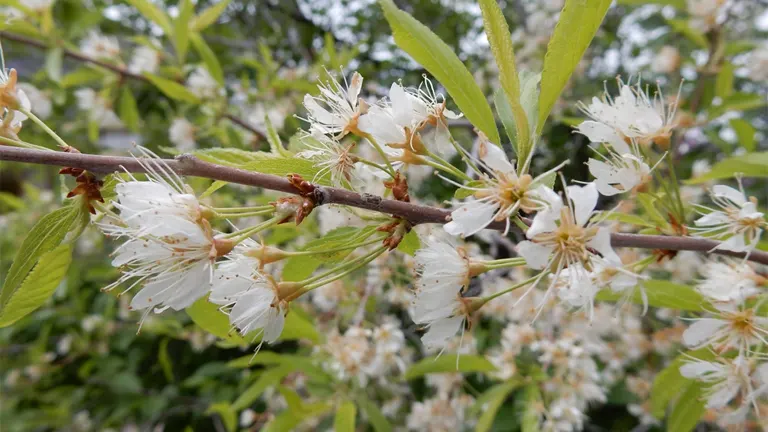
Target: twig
point(123, 72)
point(187, 164)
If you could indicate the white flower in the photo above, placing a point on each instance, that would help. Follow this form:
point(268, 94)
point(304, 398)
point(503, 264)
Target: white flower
point(12, 98)
point(619, 172)
point(99, 109)
point(145, 59)
point(203, 85)
point(98, 46)
point(667, 60)
point(732, 326)
point(727, 378)
point(632, 114)
point(247, 417)
point(441, 413)
point(170, 247)
point(257, 115)
point(737, 222)
point(704, 13)
point(757, 64)
point(727, 281)
point(182, 134)
point(39, 102)
point(500, 195)
point(337, 109)
point(331, 156)
point(443, 318)
point(443, 271)
point(578, 286)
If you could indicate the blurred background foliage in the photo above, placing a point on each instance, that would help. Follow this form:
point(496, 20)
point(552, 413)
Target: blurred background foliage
point(79, 364)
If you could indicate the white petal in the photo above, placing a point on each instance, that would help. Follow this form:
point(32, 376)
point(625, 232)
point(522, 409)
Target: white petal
point(697, 369)
point(355, 85)
point(440, 331)
point(583, 199)
point(471, 217)
point(729, 193)
point(544, 221)
point(274, 327)
point(714, 218)
point(535, 255)
point(601, 242)
point(493, 156)
point(726, 391)
point(701, 331)
point(602, 133)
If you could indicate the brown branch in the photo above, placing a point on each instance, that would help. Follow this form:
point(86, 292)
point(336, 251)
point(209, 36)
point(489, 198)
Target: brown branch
point(123, 72)
point(417, 214)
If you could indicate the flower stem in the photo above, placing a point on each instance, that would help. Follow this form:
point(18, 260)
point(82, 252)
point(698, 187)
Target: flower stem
point(390, 170)
point(505, 263)
point(358, 263)
point(244, 214)
point(239, 236)
point(514, 287)
point(63, 144)
point(337, 249)
point(463, 154)
point(22, 144)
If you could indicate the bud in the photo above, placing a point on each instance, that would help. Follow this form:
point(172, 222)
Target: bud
point(266, 254)
point(223, 245)
point(288, 291)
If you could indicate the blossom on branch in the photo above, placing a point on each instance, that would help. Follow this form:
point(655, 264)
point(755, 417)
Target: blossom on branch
point(737, 222)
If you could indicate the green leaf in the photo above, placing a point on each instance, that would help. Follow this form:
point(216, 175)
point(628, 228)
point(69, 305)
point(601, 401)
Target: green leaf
point(737, 102)
point(374, 414)
point(129, 112)
point(53, 62)
point(462, 193)
point(298, 327)
point(410, 243)
point(489, 403)
point(531, 400)
point(289, 419)
point(273, 138)
point(46, 235)
point(218, 184)
point(181, 29)
point(269, 358)
point(38, 286)
point(627, 219)
point(209, 318)
point(300, 267)
point(81, 76)
point(265, 163)
point(668, 382)
point(208, 56)
point(724, 81)
point(745, 134)
point(165, 360)
point(439, 60)
point(448, 363)
point(270, 378)
point(345, 418)
point(497, 30)
point(504, 111)
point(677, 4)
point(152, 13)
point(226, 413)
point(681, 26)
point(209, 15)
point(750, 165)
point(663, 294)
point(172, 89)
point(688, 409)
point(578, 24)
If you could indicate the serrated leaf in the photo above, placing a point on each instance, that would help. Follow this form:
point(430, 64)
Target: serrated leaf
point(226, 413)
point(688, 409)
point(749, 165)
point(172, 89)
point(500, 40)
point(745, 134)
point(209, 318)
point(208, 56)
point(181, 29)
point(46, 235)
point(344, 421)
point(681, 26)
point(129, 112)
point(270, 378)
point(489, 403)
point(578, 24)
point(209, 15)
point(374, 414)
point(531, 400)
point(447, 363)
point(439, 60)
point(409, 244)
point(668, 382)
point(39, 286)
point(663, 294)
point(152, 13)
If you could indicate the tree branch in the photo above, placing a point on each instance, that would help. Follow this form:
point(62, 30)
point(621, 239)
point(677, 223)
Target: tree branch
point(189, 165)
point(123, 72)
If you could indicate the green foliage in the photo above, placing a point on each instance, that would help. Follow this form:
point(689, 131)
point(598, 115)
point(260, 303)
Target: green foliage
point(578, 23)
point(129, 112)
point(681, 26)
point(208, 316)
point(661, 293)
point(531, 412)
point(410, 244)
point(208, 56)
point(374, 414)
point(172, 89)
point(265, 163)
point(748, 165)
point(344, 421)
point(209, 16)
point(448, 363)
point(489, 403)
point(688, 410)
point(227, 414)
point(439, 60)
point(268, 378)
point(152, 13)
point(668, 383)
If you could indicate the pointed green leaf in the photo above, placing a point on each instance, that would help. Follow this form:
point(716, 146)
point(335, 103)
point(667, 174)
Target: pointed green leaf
point(226, 413)
point(53, 62)
point(661, 293)
point(38, 286)
point(209, 16)
point(688, 410)
point(499, 38)
point(745, 134)
point(208, 56)
point(578, 24)
point(345, 418)
point(172, 89)
point(270, 378)
point(531, 400)
point(129, 112)
point(447, 363)
point(152, 13)
point(439, 60)
point(681, 26)
point(749, 165)
point(668, 382)
point(209, 318)
point(410, 243)
point(374, 414)
point(489, 403)
point(181, 29)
